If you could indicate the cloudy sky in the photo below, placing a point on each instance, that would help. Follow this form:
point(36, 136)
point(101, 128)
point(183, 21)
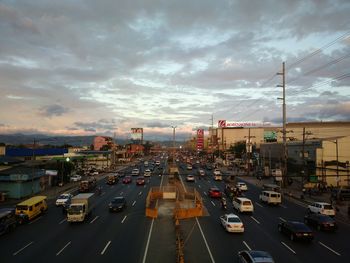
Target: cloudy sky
point(98, 67)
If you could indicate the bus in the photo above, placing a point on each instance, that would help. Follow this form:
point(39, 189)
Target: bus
point(31, 208)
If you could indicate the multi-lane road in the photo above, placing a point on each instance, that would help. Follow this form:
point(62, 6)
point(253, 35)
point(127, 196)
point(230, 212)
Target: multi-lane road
point(129, 236)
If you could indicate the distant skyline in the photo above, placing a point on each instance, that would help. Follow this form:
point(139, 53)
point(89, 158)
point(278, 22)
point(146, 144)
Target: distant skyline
point(99, 67)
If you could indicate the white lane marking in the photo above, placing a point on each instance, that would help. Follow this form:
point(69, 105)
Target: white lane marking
point(258, 204)
point(124, 219)
point(140, 193)
point(282, 219)
point(255, 219)
point(335, 252)
point(147, 245)
point(103, 193)
point(205, 241)
point(283, 206)
point(133, 203)
point(112, 186)
point(284, 244)
point(213, 203)
point(245, 243)
point(199, 186)
point(93, 220)
point(128, 186)
point(205, 193)
point(35, 220)
point(14, 254)
point(183, 185)
point(144, 186)
point(121, 193)
point(62, 221)
point(107, 245)
point(59, 252)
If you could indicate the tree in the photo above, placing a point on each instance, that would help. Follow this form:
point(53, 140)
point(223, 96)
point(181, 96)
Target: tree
point(147, 147)
point(238, 148)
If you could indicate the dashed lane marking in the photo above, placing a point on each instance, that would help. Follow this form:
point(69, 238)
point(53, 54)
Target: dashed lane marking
point(124, 219)
point(335, 252)
point(213, 203)
point(284, 244)
point(245, 243)
point(121, 193)
point(258, 204)
point(140, 193)
point(205, 241)
point(107, 245)
point(283, 206)
point(35, 220)
point(133, 203)
point(93, 220)
point(18, 251)
point(59, 252)
point(62, 221)
point(282, 219)
point(255, 220)
point(205, 193)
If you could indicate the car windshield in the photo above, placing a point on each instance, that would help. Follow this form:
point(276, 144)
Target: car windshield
point(325, 219)
point(247, 203)
point(21, 207)
point(300, 226)
point(233, 220)
point(118, 201)
point(75, 209)
point(63, 197)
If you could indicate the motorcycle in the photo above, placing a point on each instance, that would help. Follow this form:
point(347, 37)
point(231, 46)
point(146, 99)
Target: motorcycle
point(223, 203)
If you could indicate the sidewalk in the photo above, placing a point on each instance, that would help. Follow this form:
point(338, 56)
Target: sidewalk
point(54, 191)
point(294, 191)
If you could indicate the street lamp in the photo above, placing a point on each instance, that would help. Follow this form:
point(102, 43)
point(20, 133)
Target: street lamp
point(174, 127)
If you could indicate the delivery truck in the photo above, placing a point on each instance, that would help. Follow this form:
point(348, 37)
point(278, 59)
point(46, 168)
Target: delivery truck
point(81, 207)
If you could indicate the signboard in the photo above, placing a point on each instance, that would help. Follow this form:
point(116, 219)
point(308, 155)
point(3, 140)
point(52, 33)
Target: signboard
point(51, 172)
point(136, 133)
point(200, 139)
point(270, 136)
point(226, 124)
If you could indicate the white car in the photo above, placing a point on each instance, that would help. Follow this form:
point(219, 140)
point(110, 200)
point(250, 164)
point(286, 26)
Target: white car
point(322, 208)
point(189, 167)
point(242, 186)
point(157, 162)
point(135, 172)
point(243, 204)
point(75, 178)
point(217, 172)
point(201, 172)
point(190, 178)
point(63, 198)
point(147, 173)
point(232, 223)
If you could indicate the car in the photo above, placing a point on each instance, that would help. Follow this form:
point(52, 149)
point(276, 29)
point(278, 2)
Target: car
point(127, 180)
point(296, 230)
point(147, 173)
point(214, 192)
point(190, 178)
point(75, 178)
point(117, 204)
point(242, 186)
point(157, 163)
point(217, 172)
point(140, 180)
point(201, 172)
point(135, 172)
point(243, 204)
point(254, 256)
point(8, 220)
point(189, 167)
point(321, 222)
point(63, 198)
point(321, 208)
point(232, 223)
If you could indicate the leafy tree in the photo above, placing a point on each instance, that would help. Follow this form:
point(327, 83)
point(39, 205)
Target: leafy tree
point(238, 148)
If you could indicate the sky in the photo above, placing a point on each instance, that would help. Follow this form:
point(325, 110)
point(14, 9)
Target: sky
point(104, 67)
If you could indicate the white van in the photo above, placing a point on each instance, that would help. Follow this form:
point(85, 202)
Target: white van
point(243, 204)
point(271, 197)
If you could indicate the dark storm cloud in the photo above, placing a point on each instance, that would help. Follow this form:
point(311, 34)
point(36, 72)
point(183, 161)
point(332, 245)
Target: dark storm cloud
point(53, 110)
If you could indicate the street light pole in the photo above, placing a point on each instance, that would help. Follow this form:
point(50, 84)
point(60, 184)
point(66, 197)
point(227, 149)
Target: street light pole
point(174, 127)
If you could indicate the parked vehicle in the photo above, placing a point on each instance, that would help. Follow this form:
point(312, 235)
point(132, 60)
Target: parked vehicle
point(214, 192)
point(296, 230)
point(63, 198)
point(321, 222)
point(321, 208)
point(8, 220)
point(112, 179)
point(243, 204)
point(75, 178)
point(270, 197)
point(254, 256)
point(232, 223)
point(87, 185)
point(117, 204)
point(31, 208)
point(81, 207)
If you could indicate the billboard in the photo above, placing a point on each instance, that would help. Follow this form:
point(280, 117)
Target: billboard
point(200, 139)
point(137, 134)
point(226, 124)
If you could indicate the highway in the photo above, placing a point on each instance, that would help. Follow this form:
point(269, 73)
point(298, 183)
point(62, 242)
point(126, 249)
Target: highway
point(129, 236)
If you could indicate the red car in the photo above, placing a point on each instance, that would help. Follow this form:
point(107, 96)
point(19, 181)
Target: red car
point(127, 180)
point(214, 192)
point(140, 180)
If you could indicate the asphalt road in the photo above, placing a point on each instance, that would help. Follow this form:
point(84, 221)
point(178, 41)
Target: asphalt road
point(129, 236)
point(213, 244)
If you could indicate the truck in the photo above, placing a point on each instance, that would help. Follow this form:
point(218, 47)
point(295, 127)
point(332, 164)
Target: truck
point(87, 185)
point(81, 207)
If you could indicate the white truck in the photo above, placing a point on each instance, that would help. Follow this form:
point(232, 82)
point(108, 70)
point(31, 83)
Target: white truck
point(80, 207)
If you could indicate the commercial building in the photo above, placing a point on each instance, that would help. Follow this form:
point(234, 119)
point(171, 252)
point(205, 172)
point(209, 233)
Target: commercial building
point(103, 142)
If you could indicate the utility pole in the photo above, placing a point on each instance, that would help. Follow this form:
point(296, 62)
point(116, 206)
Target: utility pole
point(174, 127)
point(285, 158)
point(336, 149)
point(305, 133)
point(249, 150)
point(212, 136)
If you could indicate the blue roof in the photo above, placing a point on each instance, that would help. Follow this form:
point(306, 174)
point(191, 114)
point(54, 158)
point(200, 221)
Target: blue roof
point(22, 152)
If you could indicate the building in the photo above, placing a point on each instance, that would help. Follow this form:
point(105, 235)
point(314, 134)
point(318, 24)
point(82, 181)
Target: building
point(103, 143)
